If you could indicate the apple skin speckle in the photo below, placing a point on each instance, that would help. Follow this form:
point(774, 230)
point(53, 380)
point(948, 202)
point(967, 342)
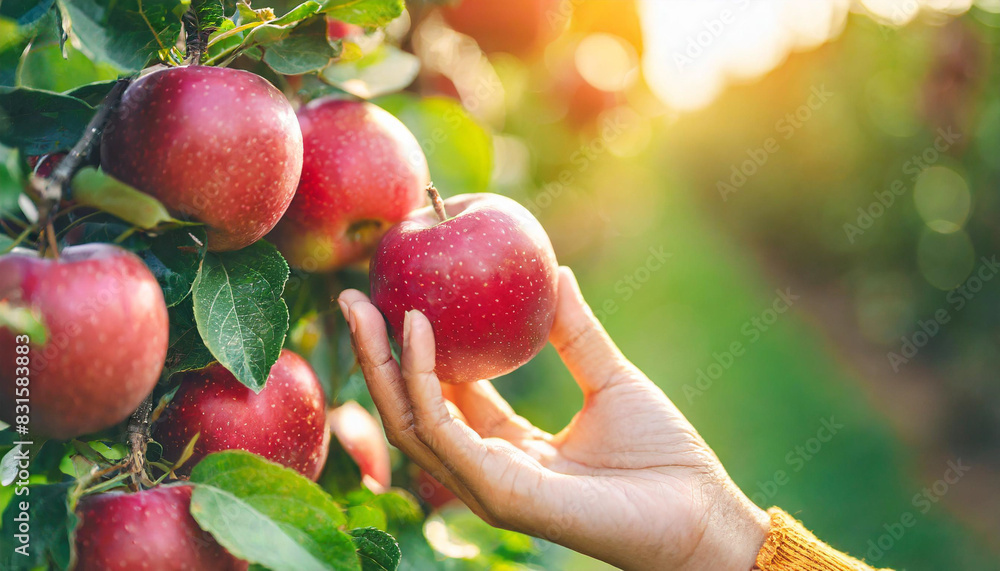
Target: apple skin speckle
point(151, 529)
point(107, 337)
point(486, 279)
point(363, 171)
point(285, 422)
point(220, 146)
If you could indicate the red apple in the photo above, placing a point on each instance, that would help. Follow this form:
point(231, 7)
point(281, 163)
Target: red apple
point(431, 491)
point(219, 145)
point(338, 29)
point(485, 278)
point(285, 422)
point(363, 172)
point(361, 436)
point(151, 529)
point(107, 338)
point(519, 27)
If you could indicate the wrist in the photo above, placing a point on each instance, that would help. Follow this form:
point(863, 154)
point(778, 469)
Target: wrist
point(735, 533)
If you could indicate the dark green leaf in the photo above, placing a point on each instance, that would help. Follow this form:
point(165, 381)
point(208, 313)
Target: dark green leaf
point(385, 70)
point(104, 192)
point(187, 351)
point(367, 13)
point(305, 50)
point(210, 13)
point(377, 549)
point(459, 151)
point(25, 12)
point(240, 312)
point(270, 515)
point(174, 258)
point(124, 33)
point(52, 524)
point(40, 122)
point(93, 93)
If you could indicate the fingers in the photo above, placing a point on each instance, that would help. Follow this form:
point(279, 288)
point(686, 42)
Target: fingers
point(487, 468)
point(585, 347)
point(487, 412)
point(371, 345)
point(385, 383)
point(436, 427)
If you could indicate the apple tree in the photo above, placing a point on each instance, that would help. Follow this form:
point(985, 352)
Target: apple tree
point(178, 388)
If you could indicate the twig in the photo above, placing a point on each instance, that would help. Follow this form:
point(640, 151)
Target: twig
point(52, 189)
point(138, 438)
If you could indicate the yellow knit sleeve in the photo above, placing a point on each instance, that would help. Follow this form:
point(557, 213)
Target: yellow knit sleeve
point(791, 547)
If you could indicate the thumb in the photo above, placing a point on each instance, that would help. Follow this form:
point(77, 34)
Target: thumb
point(583, 344)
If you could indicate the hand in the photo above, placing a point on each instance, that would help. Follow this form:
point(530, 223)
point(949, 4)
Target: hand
point(629, 481)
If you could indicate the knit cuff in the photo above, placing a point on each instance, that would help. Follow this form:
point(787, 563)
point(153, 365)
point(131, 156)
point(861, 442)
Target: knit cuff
point(791, 547)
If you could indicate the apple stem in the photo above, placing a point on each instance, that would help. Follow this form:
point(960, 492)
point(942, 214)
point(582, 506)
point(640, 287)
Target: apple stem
point(436, 201)
point(138, 439)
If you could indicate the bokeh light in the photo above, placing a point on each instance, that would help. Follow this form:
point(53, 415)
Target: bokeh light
point(942, 198)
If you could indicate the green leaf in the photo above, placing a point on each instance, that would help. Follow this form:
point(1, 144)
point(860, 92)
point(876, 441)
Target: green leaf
point(23, 321)
point(211, 13)
point(25, 12)
point(104, 192)
point(365, 516)
point(459, 150)
point(305, 50)
point(186, 351)
point(40, 122)
point(385, 70)
point(174, 258)
point(377, 549)
point(52, 524)
point(45, 66)
point(269, 515)
point(240, 312)
point(268, 33)
point(366, 13)
point(124, 33)
point(93, 93)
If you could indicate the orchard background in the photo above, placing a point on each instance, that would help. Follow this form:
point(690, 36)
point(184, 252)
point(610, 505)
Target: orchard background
point(785, 216)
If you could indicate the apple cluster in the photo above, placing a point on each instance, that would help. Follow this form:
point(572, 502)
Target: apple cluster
point(331, 185)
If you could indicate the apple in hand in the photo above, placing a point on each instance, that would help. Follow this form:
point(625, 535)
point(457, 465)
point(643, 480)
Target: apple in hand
point(285, 422)
point(107, 332)
point(485, 278)
point(363, 172)
point(151, 529)
point(361, 436)
point(431, 491)
point(221, 146)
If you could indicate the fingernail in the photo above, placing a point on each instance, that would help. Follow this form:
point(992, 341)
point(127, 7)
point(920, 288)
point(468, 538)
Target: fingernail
point(406, 329)
point(352, 322)
point(344, 309)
